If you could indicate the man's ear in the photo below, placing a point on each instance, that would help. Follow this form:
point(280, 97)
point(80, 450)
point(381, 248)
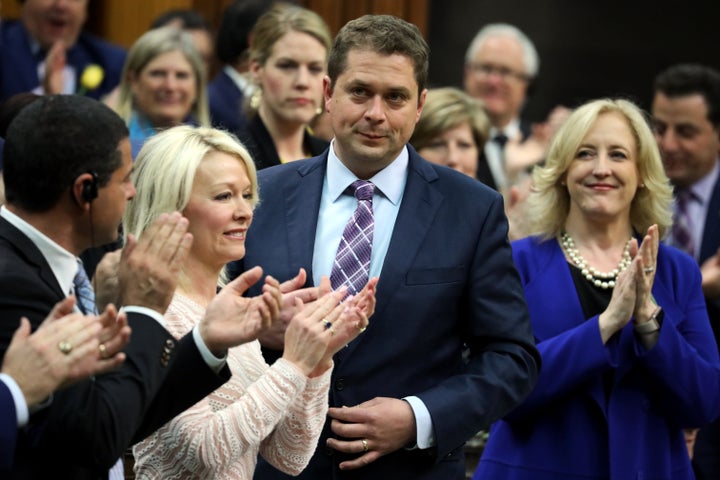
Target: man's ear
point(84, 189)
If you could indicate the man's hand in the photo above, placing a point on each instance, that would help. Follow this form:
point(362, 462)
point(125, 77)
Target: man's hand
point(385, 425)
point(232, 319)
point(53, 81)
point(274, 337)
point(106, 280)
point(38, 364)
point(149, 268)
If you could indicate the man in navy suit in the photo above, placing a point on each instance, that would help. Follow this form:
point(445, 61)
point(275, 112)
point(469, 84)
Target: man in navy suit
point(226, 92)
point(404, 398)
point(686, 116)
point(54, 26)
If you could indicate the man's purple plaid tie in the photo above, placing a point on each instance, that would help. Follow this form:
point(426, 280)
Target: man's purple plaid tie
point(682, 226)
point(352, 261)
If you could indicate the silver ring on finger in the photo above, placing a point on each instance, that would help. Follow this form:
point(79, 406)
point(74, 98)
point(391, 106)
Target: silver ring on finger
point(649, 270)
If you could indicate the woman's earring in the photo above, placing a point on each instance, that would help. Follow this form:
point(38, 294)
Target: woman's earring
point(255, 99)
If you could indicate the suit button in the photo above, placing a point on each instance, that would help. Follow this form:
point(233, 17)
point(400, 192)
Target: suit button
point(169, 344)
point(339, 384)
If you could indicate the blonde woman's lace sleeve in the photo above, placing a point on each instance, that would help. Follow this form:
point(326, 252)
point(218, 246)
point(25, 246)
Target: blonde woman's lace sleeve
point(220, 436)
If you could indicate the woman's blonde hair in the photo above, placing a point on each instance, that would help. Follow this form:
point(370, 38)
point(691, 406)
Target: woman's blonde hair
point(445, 109)
point(165, 170)
point(152, 44)
point(271, 27)
point(549, 202)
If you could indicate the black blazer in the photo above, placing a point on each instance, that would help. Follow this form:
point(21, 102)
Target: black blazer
point(89, 425)
point(259, 143)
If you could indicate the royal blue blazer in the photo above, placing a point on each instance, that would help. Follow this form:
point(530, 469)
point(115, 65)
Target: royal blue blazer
point(570, 427)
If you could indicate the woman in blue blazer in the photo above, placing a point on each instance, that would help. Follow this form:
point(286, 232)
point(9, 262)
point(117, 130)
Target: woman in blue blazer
point(629, 359)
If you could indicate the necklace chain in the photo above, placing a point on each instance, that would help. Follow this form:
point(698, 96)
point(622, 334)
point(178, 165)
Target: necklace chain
point(602, 280)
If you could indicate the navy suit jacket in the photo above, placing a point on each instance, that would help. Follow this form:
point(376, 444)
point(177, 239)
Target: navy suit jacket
point(88, 426)
point(707, 447)
point(8, 427)
point(18, 65)
point(226, 102)
point(569, 427)
point(447, 280)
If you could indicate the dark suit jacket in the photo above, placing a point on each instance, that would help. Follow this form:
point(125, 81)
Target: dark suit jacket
point(569, 427)
point(706, 459)
point(88, 426)
point(226, 104)
point(447, 280)
point(259, 143)
point(8, 427)
point(18, 65)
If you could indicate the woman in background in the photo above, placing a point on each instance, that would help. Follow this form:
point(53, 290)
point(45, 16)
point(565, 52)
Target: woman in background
point(277, 411)
point(163, 85)
point(452, 130)
point(288, 61)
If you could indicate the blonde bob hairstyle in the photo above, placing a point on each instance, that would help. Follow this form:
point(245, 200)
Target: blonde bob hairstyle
point(165, 171)
point(150, 45)
point(549, 202)
point(445, 109)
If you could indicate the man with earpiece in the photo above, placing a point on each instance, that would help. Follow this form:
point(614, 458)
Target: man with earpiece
point(67, 167)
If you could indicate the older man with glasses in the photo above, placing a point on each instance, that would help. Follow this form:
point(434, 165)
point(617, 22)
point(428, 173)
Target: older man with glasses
point(500, 65)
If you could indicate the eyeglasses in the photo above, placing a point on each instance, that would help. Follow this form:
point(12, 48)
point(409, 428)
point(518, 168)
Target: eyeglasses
point(484, 70)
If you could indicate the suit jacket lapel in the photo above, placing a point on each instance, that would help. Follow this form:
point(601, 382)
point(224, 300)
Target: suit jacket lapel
point(302, 206)
point(31, 255)
point(711, 233)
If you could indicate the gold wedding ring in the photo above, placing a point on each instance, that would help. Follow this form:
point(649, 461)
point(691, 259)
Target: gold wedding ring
point(103, 350)
point(65, 347)
point(365, 445)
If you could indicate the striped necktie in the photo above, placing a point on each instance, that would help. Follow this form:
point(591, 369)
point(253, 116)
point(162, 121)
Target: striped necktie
point(352, 261)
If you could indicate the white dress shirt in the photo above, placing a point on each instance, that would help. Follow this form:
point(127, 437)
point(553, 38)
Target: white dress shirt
point(335, 210)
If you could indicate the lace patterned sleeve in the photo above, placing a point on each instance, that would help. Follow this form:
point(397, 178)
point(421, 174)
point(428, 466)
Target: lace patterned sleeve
point(300, 427)
point(220, 436)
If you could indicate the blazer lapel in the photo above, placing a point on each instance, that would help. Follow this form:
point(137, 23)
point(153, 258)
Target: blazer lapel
point(302, 206)
point(711, 233)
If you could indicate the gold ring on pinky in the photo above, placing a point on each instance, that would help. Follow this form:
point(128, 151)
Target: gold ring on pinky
point(648, 270)
point(362, 329)
point(65, 347)
point(332, 330)
point(103, 350)
point(365, 445)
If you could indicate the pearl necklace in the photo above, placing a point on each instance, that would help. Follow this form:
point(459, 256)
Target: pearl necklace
point(599, 279)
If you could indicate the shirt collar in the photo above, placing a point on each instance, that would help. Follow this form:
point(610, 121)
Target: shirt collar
point(702, 190)
point(62, 263)
point(390, 181)
point(511, 130)
point(240, 80)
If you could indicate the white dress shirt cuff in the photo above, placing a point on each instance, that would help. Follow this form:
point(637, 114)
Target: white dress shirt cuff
point(21, 408)
point(216, 364)
point(423, 423)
